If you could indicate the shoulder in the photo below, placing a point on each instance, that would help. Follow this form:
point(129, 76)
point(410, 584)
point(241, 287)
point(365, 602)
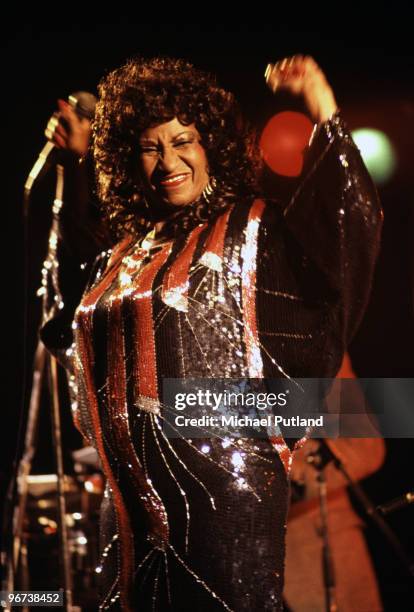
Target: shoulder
point(106, 258)
point(258, 209)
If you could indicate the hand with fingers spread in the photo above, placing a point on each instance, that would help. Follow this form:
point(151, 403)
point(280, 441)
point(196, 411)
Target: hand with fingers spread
point(301, 75)
point(68, 131)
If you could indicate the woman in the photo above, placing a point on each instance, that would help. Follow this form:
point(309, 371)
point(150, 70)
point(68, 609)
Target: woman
point(206, 280)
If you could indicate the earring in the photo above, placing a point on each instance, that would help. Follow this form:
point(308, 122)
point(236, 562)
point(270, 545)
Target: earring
point(201, 210)
point(209, 188)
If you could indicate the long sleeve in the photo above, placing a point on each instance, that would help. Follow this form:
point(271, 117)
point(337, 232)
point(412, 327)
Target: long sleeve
point(336, 217)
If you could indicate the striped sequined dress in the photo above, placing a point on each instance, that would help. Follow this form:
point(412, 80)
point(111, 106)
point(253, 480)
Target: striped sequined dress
point(251, 292)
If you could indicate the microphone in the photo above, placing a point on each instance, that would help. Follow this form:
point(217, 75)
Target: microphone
point(83, 103)
point(397, 503)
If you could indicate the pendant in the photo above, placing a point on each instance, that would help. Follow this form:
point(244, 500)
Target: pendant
point(144, 251)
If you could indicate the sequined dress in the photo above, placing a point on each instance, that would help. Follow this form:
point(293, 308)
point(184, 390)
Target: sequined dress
point(250, 292)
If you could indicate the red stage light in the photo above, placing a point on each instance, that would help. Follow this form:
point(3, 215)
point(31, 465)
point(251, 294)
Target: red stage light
point(283, 141)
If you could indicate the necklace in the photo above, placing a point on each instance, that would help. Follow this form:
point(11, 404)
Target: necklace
point(141, 255)
point(149, 245)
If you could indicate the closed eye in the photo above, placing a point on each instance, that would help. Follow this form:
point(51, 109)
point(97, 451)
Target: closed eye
point(180, 143)
point(155, 150)
point(148, 149)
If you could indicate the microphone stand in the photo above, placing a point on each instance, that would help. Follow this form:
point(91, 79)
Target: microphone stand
point(327, 454)
point(57, 440)
point(18, 511)
point(319, 463)
point(397, 503)
point(83, 103)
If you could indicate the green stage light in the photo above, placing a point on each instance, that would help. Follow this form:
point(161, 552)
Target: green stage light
point(377, 152)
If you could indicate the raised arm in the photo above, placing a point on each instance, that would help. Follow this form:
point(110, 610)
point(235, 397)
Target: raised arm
point(335, 214)
point(77, 235)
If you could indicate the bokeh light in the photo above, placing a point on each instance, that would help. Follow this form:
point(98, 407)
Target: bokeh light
point(377, 152)
point(283, 141)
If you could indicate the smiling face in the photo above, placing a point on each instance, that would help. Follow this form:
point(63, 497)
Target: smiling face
point(173, 164)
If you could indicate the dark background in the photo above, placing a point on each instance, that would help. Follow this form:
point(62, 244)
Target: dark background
point(370, 69)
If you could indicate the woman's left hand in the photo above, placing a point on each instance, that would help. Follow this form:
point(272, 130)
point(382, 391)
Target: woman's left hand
point(301, 75)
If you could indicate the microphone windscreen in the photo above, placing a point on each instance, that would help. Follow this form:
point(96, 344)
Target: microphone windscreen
point(83, 103)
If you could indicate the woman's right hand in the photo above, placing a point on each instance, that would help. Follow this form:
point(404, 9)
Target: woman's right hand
point(81, 226)
point(68, 131)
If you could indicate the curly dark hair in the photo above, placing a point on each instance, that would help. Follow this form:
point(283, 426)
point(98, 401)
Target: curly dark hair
point(144, 93)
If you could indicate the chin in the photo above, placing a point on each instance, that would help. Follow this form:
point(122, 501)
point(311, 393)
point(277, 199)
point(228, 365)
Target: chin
point(172, 201)
point(179, 201)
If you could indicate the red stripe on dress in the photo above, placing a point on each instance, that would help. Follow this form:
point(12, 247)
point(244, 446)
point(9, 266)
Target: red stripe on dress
point(283, 451)
point(215, 241)
point(92, 297)
point(249, 264)
point(84, 331)
point(251, 336)
point(118, 409)
point(145, 366)
point(175, 281)
point(85, 348)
